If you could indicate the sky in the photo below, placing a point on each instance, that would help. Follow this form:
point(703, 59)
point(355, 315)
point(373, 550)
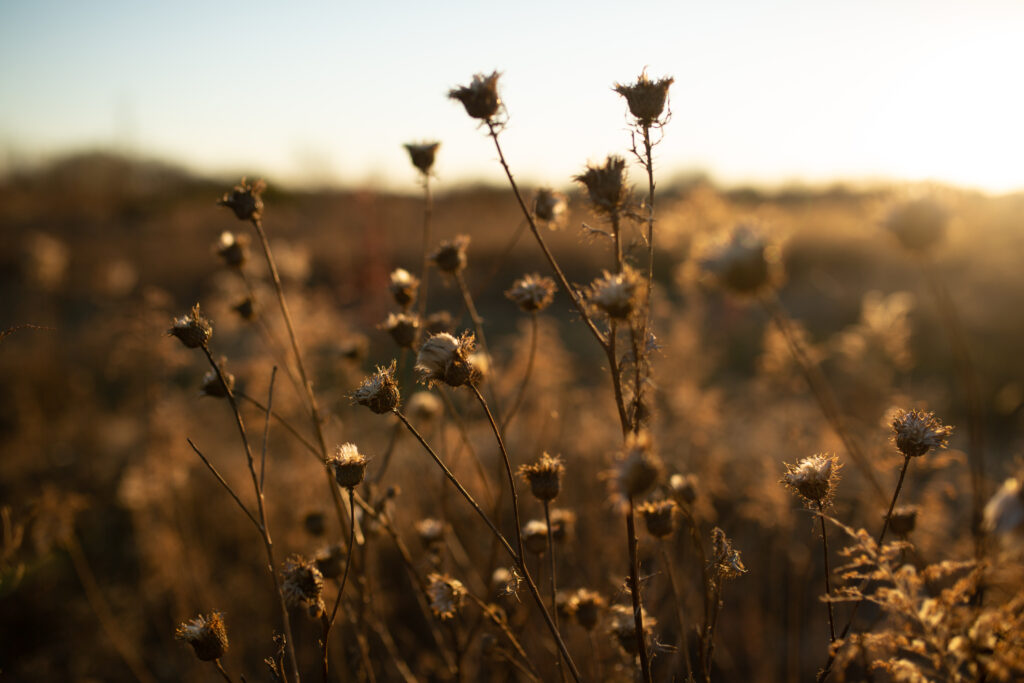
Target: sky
point(325, 93)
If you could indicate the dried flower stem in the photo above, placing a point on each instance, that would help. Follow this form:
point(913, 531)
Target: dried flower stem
point(478, 327)
point(828, 580)
point(266, 426)
point(634, 590)
point(328, 623)
point(698, 544)
point(677, 600)
point(521, 394)
point(386, 457)
point(645, 320)
point(227, 487)
point(554, 591)
point(428, 211)
point(502, 625)
point(223, 673)
point(460, 424)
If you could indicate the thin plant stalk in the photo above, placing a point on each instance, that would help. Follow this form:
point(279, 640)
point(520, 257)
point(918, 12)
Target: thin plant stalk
point(328, 623)
point(521, 394)
point(478, 327)
point(266, 426)
point(502, 625)
point(223, 673)
point(698, 544)
point(676, 599)
point(428, 211)
point(634, 590)
point(554, 589)
point(828, 580)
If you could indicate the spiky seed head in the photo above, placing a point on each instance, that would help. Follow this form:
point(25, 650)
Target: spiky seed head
point(213, 386)
point(606, 185)
point(480, 97)
point(430, 531)
point(638, 467)
point(535, 536)
point(424, 406)
point(379, 391)
point(348, 465)
point(646, 98)
point(659, 517)
point(743, 263)
point(446, 595)
point(443, 358)
point(684, 488)
point(915, 432)
point(918, 225)
point(814, 479)
point(623, 627)
point(904, 519)
point(245, 308)
point(1004, 512)
point(302, 584)
point(450, 255)
point(563, 523)
point(245, 200)
point(403, 328)
point(614, 294)
point(403, 286)
point(330, 560)
point(550, 206)
point(193, 330)
point(726, 560)
point(206, 634)
point(233, 249)
point(532, 293)
point(544, 477)
point(439, 321)
point(422, 155)
point(587, 606)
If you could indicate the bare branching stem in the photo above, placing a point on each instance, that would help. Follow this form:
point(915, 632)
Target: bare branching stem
point(828, 572)
point(227, 487)
point(634, 590)
point(328, 623)
point(553, 582)
point(223, 673)
point(677, 600)
point(521, 393)
point(266, 426)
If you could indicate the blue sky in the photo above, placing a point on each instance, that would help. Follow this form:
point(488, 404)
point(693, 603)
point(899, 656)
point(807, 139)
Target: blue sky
point(318, 92)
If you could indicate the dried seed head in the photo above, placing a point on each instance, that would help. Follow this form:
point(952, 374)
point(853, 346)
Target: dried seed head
point(233, 249)
point(638, 467)
point(443, 358)
point(586, 606)
point(904, 519)
point(726, 561)
point(424, 406)
point(614, 293)
point(430, 531)
point(439, 321)
point(1004, 512)
point(743, 263)
point(814, 478)
point(403, 328)
point(379, 391)
point(684, 488)
point(532, 293)
point(646, 98)
point(505, 581)
point(245, 200)
point(354, 347)
point(403, 287)
point(535, 536)
point(193, 329)
point(623, 628)
point(606, 184)
point(422, 155)
point(480, 98)
point(550, 207)
point(348, 466)
point(544, 477)
point(302, 584)
point(563, 523)
point(245, 308)
point(918, 225)
point(659, 517)
point(206, 634)
point(446, 595)
point(213, 386)
point(330, 560)
point(315, 523)
point(915, 432)
point(450, 256)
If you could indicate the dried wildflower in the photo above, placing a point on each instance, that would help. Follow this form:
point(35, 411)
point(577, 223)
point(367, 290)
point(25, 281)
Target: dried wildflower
point(638, 468)
point(659, 517)
point(544, 477)
point(233, 249)
point(430, 531)
point(446, 595)
point(424, 406)
point(348, 466)
point(443, 358)
point(450, 256)
point(549, 206)
point(614, 293)
point(1004, 512)
point(903, 519)
point(535, 536)
point(606, 185)
point(743, 263)
point(403, 328)
point(303, 585)
point(245, 200)
point(193, 329)
point(330, 560)
point(586, 606)
point(726, 560)
point(532, 293)
point(245, 308)
point(379, 391)
point(563, 522)
point(422, 155)
point(206, 634)
point(315, 523)
point(214, 387)
point(480, 98)
point(403, 287)
point(915, 432)
point(438, 322)
point(918, 225)
point(481, 364)
point(814, 478)
point(646, 98)
point(623, 627)
point(684, 488)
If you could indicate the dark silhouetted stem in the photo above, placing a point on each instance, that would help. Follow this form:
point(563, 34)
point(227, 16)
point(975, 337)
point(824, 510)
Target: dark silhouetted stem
point(634, 589)
point(828, 579)
point(554, 589)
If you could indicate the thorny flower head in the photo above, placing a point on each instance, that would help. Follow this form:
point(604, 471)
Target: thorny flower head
point(535, 536)
point(903, 519)
point(659, 517)
point(480, 97)
point(443, 358)
point(550, 207)
point(446, 595)
point(915, 432)
point(637, 468)
point(684, 488)
point(814, 479)
point(430, 531)
point(424, 406)
point(303, 585)
point(544, 477)
point(563, 523)
point(403, 328)
point(193, 330)
point(726, 560)
point(213, 386)
point(918, 225)
point(245, 308)
point(646, 98)
point(614, 293)
point(623, 627)
point(330, 560)
point(450, 256)
point(606, 185)
point(348, 465)
point(245, 200)
point(403, 286)
point(587, 605)
point(206, 634)
point(744, 263)
point(233, 249)
point(1004, 512)
point(422, 155)
point(532, 293)
point(379, 391)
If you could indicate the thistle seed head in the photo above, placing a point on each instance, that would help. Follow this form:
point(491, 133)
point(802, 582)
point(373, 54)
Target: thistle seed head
point(430, 531)
point(206, 634)
point(315, 523)
point(904, 519)
point(424, 406)
point(659, 517)
point(550, 207)
point(743, 263)
point(403, 287)
point(684, 488)
point(446, 595)
point(646, 98)
point(193, 330)
point(348, 466)
point(403, 328)
point(233, 249)
point(726, 560)
point(1004, 512)
point(379, 391)
point(422, 155)
point(532, 293)
point(544, 477)
point(638, 467)
point(213, 386)
point(330, 560)
point(586, 606)
point(443, 358)
point(614, 294)
point(480, 97)
point(918, 225)
point(915, 432)
point(245, 308)
point(814, 479)
point(439, 321)
point(302, 584)
point(245, 200)
point(535, 536)
point(450, 256)
point(563, 523)
point(623, 628)
point(606, 185)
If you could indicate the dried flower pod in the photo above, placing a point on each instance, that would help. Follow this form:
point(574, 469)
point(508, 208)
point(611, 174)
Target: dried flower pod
point(348, 466)
point(206, 634)
point(606, 185)
point(480, 97)
point(193, 330)
point(550, 207)
point(726, 560)
point(903, 519)
point(422, 155)
point(638, 468)
point(424, 406)
point(450, 256)
point(814, 478)
point(915, 432)
point(245, 200)
point(438, 322)
point(403, 287)
point(614, 294)
point(233, 249)
point(1004, 512)
point(532, 293)
point(544, 477)
point(535, 536)
point(430, 531)
point(213, 386)
point(302, 584)
point(743, 263)
point(403, 328)
point(587, 606)
point(646, 98)
point(379, 391)
point(330, 560)
point(245, 308)
point(443, 358)
point(659, 517)
point(446, 595)
point(684, 488)
point(623, 628)
point(918, 225)
point(315, 523)
point(354, 347)
point(563, 523)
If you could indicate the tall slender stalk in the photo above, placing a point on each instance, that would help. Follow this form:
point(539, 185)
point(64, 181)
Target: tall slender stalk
point(428, 212)
point(554, 590)
point(521, 393)
point(329, 622)
point(634, 590)
point(828, 572)
point(677, 600)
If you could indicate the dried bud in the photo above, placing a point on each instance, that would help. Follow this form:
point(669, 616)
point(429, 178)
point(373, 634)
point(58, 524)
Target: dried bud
point(918, 225)
point(245, 200)
point(532, 293)
point(446, 595)
point(480, 98)
point(544, 477)
point(915, 432)
point(214, 387)
point(904, 519)
point(659, 517)
point(430, 531)
point(684, 488)
point(586, 606)
point(302, 584)
point(563, 523)
point(424, 406)
point(814, 478)
point(438, 322)
point(623, 627)
point(379, 391)
point(246, 308)
point(315, 523)
point(450, 256)
point(443, 358)
point(535, 536)
point(550, 207)
point(403, 328)
point(193, 329)
point(348, 466)
point(403, 287)
point(743, 263)
point(422, 155)
point(330, 560)
point(606, 184)
point(354, 347)
point(646, 98)
point(726, 561)
point(233, 249)
point(614, 293)
point(1004, 512)
point(638, 468)
point(206, 634)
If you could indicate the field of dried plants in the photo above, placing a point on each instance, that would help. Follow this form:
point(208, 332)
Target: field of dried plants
point(631, 432)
